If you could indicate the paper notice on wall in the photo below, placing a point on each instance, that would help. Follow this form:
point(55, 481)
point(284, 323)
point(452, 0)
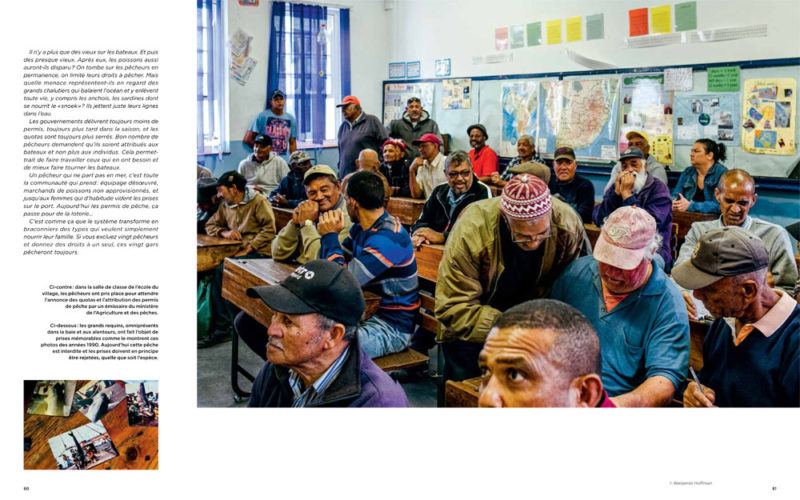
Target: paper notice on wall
point(688, 133)
point(661, 148)
point(707, 115)
point(608, 152)
point(768, 116)
point(678, 79)
point(456, 93)
point(396, 95)
point(501, 38)
point(240, 72)
point(240, 45)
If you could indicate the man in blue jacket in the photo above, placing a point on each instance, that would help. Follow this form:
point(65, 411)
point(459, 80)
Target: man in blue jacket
point(313, 356)
point(359, 131)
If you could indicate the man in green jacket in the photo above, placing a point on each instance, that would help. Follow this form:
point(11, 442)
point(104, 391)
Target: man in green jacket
point(501, 252)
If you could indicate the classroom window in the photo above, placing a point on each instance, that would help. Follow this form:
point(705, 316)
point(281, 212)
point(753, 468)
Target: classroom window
point(306, 62)
point(212, 92)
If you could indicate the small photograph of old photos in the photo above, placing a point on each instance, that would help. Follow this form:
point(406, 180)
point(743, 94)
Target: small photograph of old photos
point(83, 448)
point(98, 397)
point(142, 403)
point(52, 397)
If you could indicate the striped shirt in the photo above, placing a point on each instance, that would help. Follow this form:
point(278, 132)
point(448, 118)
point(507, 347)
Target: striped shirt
point(383, 263)
point(309, 396)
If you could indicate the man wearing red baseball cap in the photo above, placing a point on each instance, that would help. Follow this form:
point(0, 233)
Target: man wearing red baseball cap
point(427, 170)
point(637, 311)
point(358, 131)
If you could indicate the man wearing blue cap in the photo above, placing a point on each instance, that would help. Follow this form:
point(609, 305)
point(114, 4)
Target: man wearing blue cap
point(280, 125)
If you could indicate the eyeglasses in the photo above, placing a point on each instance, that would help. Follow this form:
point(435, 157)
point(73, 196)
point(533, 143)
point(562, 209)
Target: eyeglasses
point(465, 174)
point(536, 238)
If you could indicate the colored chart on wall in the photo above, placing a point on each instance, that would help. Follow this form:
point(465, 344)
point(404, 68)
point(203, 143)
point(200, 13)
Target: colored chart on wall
point(646, 107)
point(520, 100)
point(395, 96)
point(456, 93)
point(581, 114)
point(768, 116)
point(712, 116)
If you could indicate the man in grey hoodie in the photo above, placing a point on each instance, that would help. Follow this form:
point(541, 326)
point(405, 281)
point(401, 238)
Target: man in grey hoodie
point(263, 169)
point(415, 123)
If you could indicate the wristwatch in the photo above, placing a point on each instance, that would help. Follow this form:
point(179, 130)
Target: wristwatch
point(308, 223)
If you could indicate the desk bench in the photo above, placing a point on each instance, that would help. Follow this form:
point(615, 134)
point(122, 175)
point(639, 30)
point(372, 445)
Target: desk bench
point(211, 251)
point(407, 210)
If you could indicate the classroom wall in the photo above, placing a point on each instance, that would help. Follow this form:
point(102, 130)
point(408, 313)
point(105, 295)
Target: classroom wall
point(427, 30)
point(369, 49)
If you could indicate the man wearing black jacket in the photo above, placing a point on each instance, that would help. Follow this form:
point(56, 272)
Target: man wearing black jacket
point(448, 200)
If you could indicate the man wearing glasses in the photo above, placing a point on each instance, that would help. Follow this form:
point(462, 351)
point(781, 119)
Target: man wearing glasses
point(448, 200)
point(415, 123)
point(501, 252)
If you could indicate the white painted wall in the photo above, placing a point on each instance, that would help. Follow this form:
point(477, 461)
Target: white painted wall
point(427, 30)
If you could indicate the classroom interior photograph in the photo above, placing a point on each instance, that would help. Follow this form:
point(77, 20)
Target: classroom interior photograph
point(428, 204)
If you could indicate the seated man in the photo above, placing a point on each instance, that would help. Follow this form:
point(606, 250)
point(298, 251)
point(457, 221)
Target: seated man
point(526, 153)
point(574, 189)
point(448, 200)
point(736, 193)
point(427, 170)
point(369, 161)
point(640, 141)
point(636, 310)
point(299, 240)
point(542, 353)
point(751, 353)
point(313, 356)
point(395, 167)
point(207, 201)
point(244, 216)
point(502, 252)
point(263, 169)
point(291, 191)
point(382, 261)
point(635, 186)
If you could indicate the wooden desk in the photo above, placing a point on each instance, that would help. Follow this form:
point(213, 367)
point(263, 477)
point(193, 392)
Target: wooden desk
point(283, 216)
point(137, 446)
point(211, 251)
point(428, 258)
point(463, 394)
point(407, 210)
point(592, 231)
point(684, 221)
point(240, 274)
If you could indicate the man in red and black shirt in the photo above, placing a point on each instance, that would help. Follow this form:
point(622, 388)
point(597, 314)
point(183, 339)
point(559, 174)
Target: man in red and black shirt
point(484, 159)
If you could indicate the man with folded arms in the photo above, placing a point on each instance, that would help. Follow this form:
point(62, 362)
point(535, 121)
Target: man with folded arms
point(313, 354)
point(378, 252)
point(427, 170)
point(751, 353)
point(447, 201)
point(637, 311)
point(736, 194)
point(542, 353)
point(299, 240)
point(502, 252)
point(635, 186)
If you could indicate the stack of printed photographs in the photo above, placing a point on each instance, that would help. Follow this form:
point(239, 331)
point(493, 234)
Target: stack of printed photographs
point(90, 445)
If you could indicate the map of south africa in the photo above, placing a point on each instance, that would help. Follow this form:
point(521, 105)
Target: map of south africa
point(580, 114)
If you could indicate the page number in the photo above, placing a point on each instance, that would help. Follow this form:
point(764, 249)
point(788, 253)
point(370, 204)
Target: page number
point(26, 488)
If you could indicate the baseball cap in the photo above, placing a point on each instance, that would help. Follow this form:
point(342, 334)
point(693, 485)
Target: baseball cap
point(413, 99)
point(299, 157)
point(427, 138)
point(349, 99)
point(232, 178)
point(634, 133)
point(319, 286)
point(277, 92)
point(318, 170)
point(625, 236)
point(264, 140)
point(631, 153)
point(564, 152)
point(534, 168)
point(719, 253)
point(479, 127)
point(397, 142)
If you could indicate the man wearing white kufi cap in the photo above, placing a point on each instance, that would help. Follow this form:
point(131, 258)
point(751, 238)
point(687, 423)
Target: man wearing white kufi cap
point(501, 252)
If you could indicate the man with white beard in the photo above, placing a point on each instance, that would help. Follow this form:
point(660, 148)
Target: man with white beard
point(634, 186)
